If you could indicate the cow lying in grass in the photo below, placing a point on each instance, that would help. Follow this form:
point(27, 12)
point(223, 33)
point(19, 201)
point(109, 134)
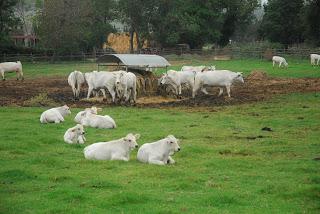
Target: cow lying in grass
point(159, 152)
point(55, 115)
point(97, 121)
point(113, 150)
point(75, 135)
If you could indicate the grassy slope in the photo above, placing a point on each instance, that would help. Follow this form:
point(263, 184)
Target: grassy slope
point(297, 68)
point(218, 169)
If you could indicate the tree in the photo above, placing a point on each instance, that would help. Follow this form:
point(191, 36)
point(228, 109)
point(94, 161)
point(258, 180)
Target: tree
point(311, 20)
point(8, 20)
point(74, 25)
point(282, 21)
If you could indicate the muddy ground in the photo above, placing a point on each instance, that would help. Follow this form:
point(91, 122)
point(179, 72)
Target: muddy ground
point(258, 87)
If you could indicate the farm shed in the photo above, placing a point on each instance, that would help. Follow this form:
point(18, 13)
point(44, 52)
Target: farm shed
point(142, 62)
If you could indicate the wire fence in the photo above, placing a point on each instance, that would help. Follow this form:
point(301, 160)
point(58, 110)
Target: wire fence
point(218, 54)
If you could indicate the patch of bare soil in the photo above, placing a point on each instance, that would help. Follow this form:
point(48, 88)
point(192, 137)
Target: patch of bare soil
point(258, 87)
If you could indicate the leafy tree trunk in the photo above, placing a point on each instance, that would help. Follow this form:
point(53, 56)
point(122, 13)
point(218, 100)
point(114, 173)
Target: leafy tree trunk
point(131, 40)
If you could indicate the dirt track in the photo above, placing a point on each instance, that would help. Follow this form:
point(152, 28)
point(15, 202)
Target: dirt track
point(257, 87)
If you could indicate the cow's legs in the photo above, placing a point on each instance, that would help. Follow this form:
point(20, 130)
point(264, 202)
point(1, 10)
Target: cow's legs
point(2, 74)
point(89, 92)
point(220, 92)
point(204, 90)
point(228, 90)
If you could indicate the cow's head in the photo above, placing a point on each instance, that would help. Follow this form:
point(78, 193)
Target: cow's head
point(79, 129)
point(131, 140)
point(173, 144)
point(239, 77)
point(66, 109)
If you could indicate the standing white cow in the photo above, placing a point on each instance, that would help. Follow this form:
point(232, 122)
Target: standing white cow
point(11, 67)
point(201, 68)
point(75, 80)
point(55, 115)
point(75, 135)
point(80, 115)
point(219, 78)
point(177, 78)
point(101, 80)
point(278, 59)
point(314, 58)
point(159, 152)
point(113, 150)
point(126, 86)
point(97, 121)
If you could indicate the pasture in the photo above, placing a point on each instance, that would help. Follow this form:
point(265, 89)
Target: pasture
point(298, 68)
point(227, 164)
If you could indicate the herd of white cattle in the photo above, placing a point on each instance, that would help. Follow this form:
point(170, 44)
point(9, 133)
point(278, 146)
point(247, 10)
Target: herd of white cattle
point(159, 152)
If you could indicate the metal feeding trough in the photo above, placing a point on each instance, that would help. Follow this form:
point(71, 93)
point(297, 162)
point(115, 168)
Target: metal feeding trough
point(142, 62)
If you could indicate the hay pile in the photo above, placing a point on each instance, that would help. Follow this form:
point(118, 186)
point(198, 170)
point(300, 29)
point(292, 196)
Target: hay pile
point(257, 75)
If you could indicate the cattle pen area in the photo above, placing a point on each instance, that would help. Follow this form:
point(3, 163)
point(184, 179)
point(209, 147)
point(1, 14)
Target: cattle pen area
point(258, 87)
point(256, 151)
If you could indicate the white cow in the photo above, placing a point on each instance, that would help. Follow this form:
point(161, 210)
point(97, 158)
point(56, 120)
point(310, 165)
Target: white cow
point(126, 85)
point(75, 135)
point(101, 80)
point(55, 115)
point(278, 59)
point(80, 115)
point(159, 152)
point(200, 68)
point(314, 58)
point(97, 121)
point(177, 78)
point(219, 78)
point(113, 150)
point(11, 67)
point(75, 80)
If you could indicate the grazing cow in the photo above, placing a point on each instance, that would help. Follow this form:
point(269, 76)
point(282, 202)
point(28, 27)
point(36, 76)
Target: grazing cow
point(11, 67)
point(55, 115)
point(314, 58)
point(278, 59)
point(80, 115)
point(201, 68)
point(97, 121)
point(101, 80)
point(113, 150)
point(176, 79)
point(219, 78)
point(126, 86)
point(75, 135)
point(75, 80)
point(159, 152)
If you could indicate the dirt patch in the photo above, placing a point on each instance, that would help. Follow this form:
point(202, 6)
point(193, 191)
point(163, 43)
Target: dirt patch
point(258, 87)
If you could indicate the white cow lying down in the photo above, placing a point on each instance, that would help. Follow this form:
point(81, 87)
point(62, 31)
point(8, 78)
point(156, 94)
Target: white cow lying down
point(80, 115)
point(55, 115)
point(159, 152)
point(113, 150)
point(75, 80)
point(97, 121)
point(314, 58)
point(75, 135)
point(219, 78)
point(10, 67)
point(278, 59)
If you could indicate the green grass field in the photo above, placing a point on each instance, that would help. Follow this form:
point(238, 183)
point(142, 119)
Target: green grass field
point(221, 168)
point(297, 68)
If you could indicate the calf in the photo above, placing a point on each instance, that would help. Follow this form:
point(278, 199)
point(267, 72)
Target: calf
point(11, 67)
point(126, 86)
point(219, 78)
point(159, 152)
point(75, 80)
point(278, 59)
point(97, 121)
point(113, 150)
point(55, 115)
point(314, 58)
point(75, 135)
point(78, 118)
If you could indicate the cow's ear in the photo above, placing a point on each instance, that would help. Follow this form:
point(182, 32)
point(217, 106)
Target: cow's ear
point(73, 130)
point(137, 136)
point(83, 114)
